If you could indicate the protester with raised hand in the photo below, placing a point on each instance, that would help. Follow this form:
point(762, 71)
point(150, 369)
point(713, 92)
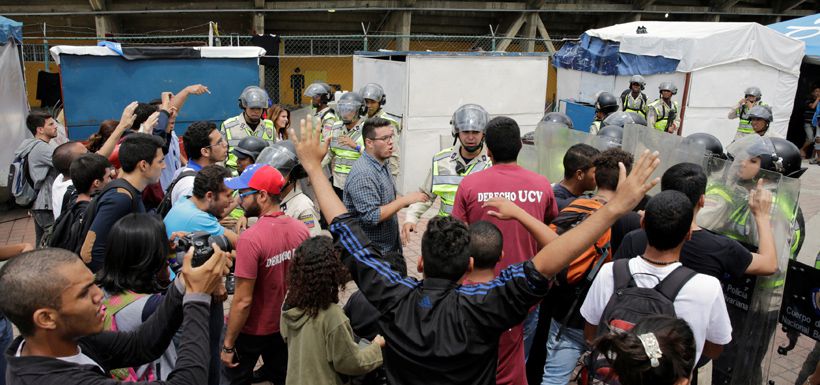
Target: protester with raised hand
point(437, 331)
point(59, 313)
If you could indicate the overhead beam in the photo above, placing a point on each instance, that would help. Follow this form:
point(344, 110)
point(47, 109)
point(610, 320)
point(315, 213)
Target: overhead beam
point(511, 32)
point(725, 4)
point(788, 5)
point(530, 31)
point(104, 24)
point(542, 29)
point(641, 4)
point(128, 8)
point(258, 20)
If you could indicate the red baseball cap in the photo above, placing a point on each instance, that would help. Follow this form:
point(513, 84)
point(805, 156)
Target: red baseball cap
point(260, 177)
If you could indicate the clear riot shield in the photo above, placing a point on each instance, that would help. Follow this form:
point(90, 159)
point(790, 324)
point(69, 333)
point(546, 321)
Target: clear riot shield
point(552, 140)
point(752, 302)
point(528, 157)
point(671, 148)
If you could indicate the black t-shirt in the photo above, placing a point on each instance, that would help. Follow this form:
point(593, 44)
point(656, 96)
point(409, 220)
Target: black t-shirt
point(625, 224)
point(706, 253)
point(563, 197)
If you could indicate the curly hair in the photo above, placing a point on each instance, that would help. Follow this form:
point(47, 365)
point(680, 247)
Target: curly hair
point(445, 248)
point(96, 140)
point(316, 276)
point(607, 170)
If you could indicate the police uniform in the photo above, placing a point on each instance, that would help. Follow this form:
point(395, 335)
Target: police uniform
point(298, 206)
point(637, 105)
point(341, 157)
point(595, 127)
point(744, 126)
point(236, 128)
point(327, 118)
point(660, 112)
point(447, 171)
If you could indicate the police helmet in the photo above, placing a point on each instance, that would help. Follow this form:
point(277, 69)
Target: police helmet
point(281, 156)
point(375, 92)
point(254, 97)
point(754, 91)
point(761, 112)
point(612, 135)
point(320, 89)
point(557, 117)
point(469, 118)
point(249, 147)
point(712, 145)
point(350, 106)
point(776, 154)
point(668, 86)
point(606, 103)
point(623, 118)
point(637, 79)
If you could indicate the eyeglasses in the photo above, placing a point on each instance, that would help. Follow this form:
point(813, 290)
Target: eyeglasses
point(220, 142)
point(247, 193)
point(386, 138)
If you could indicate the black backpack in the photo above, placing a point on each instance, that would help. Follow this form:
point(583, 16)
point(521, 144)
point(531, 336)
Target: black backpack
point(91, 210)
point(166, 204)
point(628, 305)
point(68, 228)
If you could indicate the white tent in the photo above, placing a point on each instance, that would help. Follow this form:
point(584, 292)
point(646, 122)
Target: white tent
point(425, 88)
point(13, 103)
point(711, 63)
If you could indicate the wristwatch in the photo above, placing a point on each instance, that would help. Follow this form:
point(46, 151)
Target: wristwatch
point(226, 349)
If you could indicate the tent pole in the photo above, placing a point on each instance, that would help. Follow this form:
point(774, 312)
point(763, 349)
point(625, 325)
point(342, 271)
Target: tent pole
point(684, 101)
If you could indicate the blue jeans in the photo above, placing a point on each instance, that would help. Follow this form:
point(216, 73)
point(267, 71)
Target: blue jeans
point(6, 335)
point(530, 325)
point(562, 356)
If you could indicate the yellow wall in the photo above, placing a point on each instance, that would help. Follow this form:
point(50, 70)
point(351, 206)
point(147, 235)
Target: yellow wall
point(32, 68)
point(331, 70)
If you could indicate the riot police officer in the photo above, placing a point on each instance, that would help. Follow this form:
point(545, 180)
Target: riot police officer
point(451, 165)
point(253, 101)
point(633, 99)
point(742, 110)
point(321, 94)
point(347, 143)
point(246, 152)
point(605, 104)
point(663, 113)
point(760, 117)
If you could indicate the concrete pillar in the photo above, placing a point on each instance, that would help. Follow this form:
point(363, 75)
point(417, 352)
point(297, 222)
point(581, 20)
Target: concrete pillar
point(403, 21)
point(529, 32)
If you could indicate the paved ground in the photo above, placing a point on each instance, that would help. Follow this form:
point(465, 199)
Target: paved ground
point(17, 226)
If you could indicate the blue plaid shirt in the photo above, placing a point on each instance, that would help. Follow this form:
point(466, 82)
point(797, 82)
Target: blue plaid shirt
point(368, 187)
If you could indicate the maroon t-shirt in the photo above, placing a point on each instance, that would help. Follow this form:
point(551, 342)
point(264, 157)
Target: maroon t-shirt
point(263, 253)
point(528, 190)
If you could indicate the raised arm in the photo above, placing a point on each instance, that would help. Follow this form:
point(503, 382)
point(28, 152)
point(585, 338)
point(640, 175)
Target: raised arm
point(311, 150)
point(561, 251)
point(505, 209)
point(126, 121)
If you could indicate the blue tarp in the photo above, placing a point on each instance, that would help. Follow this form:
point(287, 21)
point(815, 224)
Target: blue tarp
point(603, 57)
point(806, 29)
point(10, 29)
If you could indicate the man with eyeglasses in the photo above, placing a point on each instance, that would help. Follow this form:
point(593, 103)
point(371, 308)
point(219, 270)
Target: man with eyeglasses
point(204, 146)
point(261, 266)
point(370, 193)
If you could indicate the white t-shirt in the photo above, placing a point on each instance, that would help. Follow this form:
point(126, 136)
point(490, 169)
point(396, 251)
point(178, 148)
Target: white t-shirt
point(184, 188)
point(57, 192)
point(79, 358)
point(700, 302)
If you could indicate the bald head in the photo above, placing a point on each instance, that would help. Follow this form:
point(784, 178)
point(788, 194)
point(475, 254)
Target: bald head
point(36, 281)
point(64, 154)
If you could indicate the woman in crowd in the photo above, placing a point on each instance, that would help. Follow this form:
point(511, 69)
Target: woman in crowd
point(96, 141)
point(659, 350)
point(281, 120)
point(133, 278)
point(320, 341)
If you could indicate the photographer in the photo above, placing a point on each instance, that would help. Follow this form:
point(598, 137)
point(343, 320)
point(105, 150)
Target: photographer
point(59, 313)
point(201, 212)
point(261, 265)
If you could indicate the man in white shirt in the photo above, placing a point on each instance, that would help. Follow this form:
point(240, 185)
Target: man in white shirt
point(700, 302)
point(63, 155)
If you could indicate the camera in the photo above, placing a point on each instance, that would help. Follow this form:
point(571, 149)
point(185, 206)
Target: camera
point(201, 242)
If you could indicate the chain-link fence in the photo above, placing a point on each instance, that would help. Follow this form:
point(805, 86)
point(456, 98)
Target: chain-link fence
point(294, 61)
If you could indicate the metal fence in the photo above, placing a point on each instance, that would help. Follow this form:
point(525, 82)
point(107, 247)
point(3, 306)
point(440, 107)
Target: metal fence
point(299, 60)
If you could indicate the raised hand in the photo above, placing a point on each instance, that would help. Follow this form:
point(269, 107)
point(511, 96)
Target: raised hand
point(309, 147)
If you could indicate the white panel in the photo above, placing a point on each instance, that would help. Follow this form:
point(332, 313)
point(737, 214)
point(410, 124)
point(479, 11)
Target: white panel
point(568, 82)
point(592, 84)
point(711, 121)
point(437, 85)
point(723, 86)
point(388, 74)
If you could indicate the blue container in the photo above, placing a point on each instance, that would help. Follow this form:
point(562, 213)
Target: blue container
point(582, 115)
